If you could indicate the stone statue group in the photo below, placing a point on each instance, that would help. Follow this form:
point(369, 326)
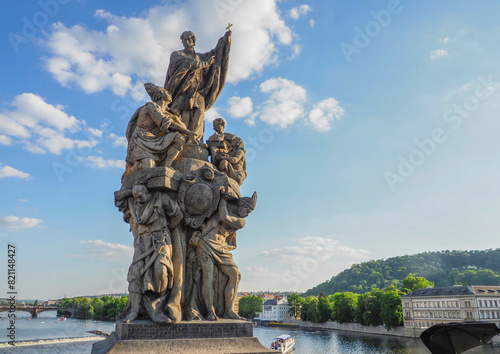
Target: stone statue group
point(183, 210)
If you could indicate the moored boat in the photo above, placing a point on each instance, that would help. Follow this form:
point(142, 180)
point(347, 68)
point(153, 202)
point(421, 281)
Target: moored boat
point(284, 343)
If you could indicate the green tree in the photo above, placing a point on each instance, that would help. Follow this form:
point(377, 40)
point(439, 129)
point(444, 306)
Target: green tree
point(295, 301)
point(249, 306)
point(360, 310)
point(411, 283)
point(85, 309)
point(310, 310)
point(373, 308)
point(98, 306)
point(324, 309)
point(344, 307)
point(392, 312)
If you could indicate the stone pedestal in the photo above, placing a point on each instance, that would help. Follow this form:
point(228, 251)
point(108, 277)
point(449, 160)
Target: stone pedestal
point(223, 336)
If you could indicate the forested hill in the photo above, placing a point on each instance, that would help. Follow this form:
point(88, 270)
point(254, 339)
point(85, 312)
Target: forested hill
point(444, 268)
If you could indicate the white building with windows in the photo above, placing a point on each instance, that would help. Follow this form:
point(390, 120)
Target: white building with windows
point(275, 310)
point(426, 307)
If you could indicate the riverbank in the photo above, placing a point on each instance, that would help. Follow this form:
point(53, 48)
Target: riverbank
point(25, 343)
point(357, 328)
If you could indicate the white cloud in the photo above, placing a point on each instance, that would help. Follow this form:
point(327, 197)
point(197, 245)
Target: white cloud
point(240, 107)
point(296, 50)
point(312, 23)
point(211, 115)
point(5, 140)
point(118, 141)
point(41, 127)
point(14, 222)
point(22, 200)
point(256, 273)
point(285, 105)
point(438, 53)
point(106, 251)
point(296, 12)
point(136, 49)
point(95, 132)
point(32, 111)
point(317, 248)
point(325, 112)
point(99, 162)
point(445, 39)
point(7, 171)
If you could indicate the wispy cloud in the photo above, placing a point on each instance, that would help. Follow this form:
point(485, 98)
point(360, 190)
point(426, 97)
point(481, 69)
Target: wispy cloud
point(324, 113)
point(7, 171)
point(298, 11)
point(40, 127)
point(105, 250)
point(5, 140)
point(239, 107)
point(438, 53)
point(314, 247)
point(14, 222)
point(118, 141)
point(99, 162)
point(285, 104)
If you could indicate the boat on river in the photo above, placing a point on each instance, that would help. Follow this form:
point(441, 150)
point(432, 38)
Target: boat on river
point(284, 343)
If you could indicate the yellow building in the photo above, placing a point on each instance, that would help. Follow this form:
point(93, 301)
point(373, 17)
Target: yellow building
point(426, 307)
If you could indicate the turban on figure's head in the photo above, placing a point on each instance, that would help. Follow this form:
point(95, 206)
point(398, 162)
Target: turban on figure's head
point(157, 92)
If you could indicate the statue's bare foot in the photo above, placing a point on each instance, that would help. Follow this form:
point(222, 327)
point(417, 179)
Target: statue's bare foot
point(193, 316)
point(212, 317)
point(161, 319)
point(232, 315)
point(131, 317)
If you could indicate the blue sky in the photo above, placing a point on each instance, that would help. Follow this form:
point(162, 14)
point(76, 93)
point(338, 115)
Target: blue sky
point(371, 131)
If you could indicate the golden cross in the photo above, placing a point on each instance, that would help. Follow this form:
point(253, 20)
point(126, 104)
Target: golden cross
point(229, 24)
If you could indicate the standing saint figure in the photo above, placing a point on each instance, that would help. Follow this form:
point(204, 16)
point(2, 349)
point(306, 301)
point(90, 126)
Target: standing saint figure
point(213, 245)
point(196, 80)
point(153, 218)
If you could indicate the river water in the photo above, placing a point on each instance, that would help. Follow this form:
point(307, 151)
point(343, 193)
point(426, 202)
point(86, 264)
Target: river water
point(48, 326)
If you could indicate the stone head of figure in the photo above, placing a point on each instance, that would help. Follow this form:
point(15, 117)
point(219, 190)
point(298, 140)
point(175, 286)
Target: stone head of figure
point(219, 124)
point(246, 205)
point(141, 192)
point(158, 94)
point(237, 143)
point(188, 40)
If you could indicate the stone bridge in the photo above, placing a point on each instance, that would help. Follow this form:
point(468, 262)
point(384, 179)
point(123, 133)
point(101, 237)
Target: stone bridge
point(35, 310)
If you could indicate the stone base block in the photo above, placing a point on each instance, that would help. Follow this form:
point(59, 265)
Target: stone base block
point(144, 336)
point(112, 345)
point(145, 329)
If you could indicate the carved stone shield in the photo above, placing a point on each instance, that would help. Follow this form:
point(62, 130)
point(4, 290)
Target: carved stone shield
point(200, 192)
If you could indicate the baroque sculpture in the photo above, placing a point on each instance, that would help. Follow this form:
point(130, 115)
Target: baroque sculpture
point(183, 210)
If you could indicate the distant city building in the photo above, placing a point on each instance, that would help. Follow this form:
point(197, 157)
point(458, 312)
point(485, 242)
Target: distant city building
point(50, 302)
point(275, 310)
point(426, 307)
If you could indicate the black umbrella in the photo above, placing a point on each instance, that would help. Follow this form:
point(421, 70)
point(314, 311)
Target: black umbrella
point(458, 337)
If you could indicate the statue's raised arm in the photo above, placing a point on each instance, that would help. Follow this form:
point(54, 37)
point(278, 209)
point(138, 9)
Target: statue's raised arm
point(196, 80)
